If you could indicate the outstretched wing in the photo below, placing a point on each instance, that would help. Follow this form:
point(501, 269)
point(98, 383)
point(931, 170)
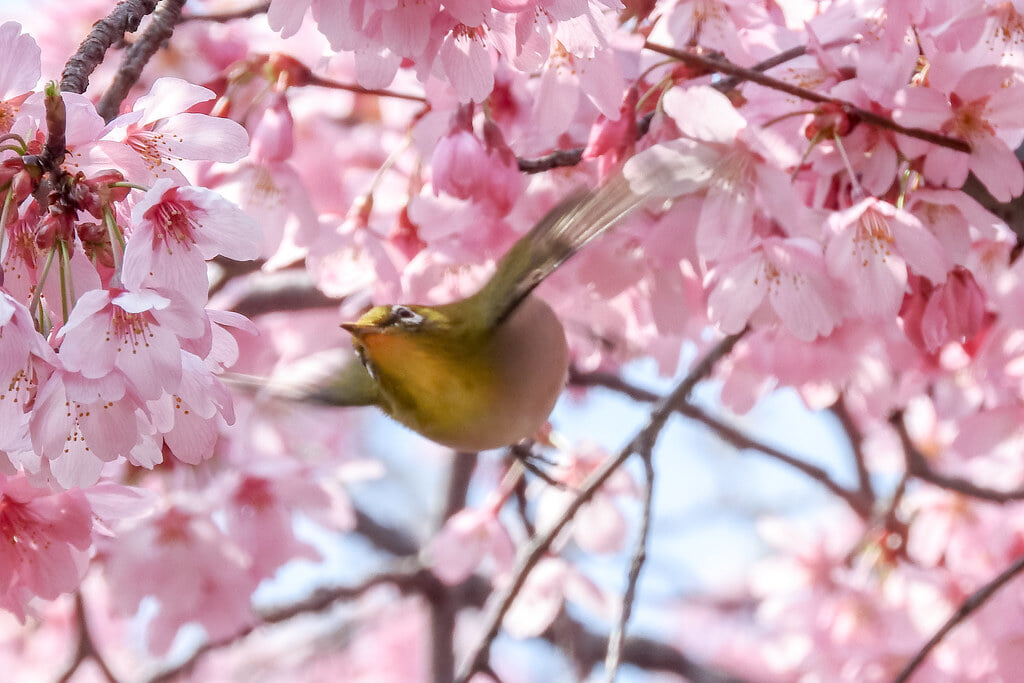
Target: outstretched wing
point(562, 232)
point(336, 377)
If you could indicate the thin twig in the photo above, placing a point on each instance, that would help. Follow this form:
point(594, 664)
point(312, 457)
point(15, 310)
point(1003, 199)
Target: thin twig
point(159, 31)
point(857, 500)
point(410, 579)
point(717, 63)
point(734, 437)
point(857, 445)
point(224, 17)
point(125, 18)
point(571, 157)
point(538, 545)
point(618, 636)
point(972, 603)
point(917, 466)
point(379, 92)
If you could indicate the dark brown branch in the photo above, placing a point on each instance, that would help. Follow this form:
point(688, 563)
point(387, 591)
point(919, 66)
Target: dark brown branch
point(125, 18)
point(718, 64)
point(972, 603)
point(617, 638)
point(917, 466)
point(737, 439)
point(443, 606)
point(857, 500)
point(159, 31)
point(384, 537)
point(538, 546)
point(571, 157)
point(284, 290)
point(224, 17)
point(86, 648)
point(556, 159)
point(608, 380)
point(857, 445)
point(644, 653)
point(412, 579)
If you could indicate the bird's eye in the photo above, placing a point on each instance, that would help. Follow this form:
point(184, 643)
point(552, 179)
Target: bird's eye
point(406, 316)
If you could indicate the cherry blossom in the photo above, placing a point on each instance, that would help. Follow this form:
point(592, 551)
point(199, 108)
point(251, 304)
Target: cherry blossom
point(47, 536)
point(826, 220)
point(151, 559)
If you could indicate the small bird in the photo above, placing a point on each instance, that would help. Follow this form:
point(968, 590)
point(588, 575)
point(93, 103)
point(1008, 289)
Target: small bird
point(486, 371)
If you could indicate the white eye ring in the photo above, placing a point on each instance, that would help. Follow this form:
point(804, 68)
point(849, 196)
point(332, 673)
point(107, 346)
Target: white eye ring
point(406, 316)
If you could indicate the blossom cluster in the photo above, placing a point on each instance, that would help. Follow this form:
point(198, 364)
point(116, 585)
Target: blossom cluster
point(820, 154)
point(110, 356)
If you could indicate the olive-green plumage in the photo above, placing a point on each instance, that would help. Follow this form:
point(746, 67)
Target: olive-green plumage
point(485, 371)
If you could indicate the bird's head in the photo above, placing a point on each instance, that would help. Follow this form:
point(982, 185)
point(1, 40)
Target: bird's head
point(389, 337)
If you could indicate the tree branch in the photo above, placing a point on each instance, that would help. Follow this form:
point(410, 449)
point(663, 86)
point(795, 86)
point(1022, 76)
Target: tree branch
point(283, 290)
point(358, 89)
point(538, 545)
point(857, 500)
point(408, 577)
point(224, 17)
point(571, 157)
point(917, 466)
point(443, 607)
point(857, 445)
point(86, 648)
point(125, 18)
point(972, 603)
point(718, 64)
point(159, 31)
point(643, 653)
point(617, 638)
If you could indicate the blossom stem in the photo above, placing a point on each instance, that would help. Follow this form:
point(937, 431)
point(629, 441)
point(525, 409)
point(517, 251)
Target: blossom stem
point(8, 201)
point(858, 190)
point(34, 306)
point(130, 186)
point(14, 136)
point(67, 282)
point(62, 272)
point(116, 244)
point(660, 88)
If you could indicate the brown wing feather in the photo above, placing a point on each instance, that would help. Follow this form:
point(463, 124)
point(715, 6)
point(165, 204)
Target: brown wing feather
point(563, 231)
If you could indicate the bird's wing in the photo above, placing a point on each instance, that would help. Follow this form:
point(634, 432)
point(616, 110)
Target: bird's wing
point(336, 377)
point(562, 232)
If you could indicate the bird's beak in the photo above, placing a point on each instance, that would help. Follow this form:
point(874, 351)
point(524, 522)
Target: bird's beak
point(357, 330)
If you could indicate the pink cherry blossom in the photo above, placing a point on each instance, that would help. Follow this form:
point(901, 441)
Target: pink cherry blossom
point(787, 275)
point(982, 108)
point(467, 538)
point(159, 133)
point(260, 519)
point(46, 538)
point(872, 245)
point(175, 229)
point(79, 424)
point(192, 568)
point(22, 71)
